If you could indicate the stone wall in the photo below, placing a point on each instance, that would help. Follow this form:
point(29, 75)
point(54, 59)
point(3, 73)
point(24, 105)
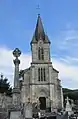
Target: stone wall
point(5, 101)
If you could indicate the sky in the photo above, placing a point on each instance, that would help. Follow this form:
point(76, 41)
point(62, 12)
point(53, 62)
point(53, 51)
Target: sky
point(60, 20)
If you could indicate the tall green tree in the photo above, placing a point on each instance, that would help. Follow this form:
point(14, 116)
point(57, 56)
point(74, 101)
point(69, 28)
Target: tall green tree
point(5, 86)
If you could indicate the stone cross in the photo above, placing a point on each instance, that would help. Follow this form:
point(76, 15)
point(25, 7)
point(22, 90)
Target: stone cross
point(68, 107)
point(38, 9)
point(16, 89)
point(67, 100)
point(16, 54)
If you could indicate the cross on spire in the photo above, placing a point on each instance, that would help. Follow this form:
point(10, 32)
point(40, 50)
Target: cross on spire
point(38, 9)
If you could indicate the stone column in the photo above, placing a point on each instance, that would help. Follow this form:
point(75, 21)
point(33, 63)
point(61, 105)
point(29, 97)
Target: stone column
point(16, 89)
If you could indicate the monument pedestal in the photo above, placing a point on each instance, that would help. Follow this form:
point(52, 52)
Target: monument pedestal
point(15, 115)
point(15, 112)
point(16, 96)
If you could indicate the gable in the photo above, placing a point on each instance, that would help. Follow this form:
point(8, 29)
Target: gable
point(55, 70)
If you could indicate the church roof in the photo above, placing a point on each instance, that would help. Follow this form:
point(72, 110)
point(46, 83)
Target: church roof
point(21, 72)
point(55, 70)
point(39, 33)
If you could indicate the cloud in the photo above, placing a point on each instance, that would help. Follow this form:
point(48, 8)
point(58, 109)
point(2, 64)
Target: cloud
point(66, 43)
point(65, 57)
point(68, 73)
point(7, 65)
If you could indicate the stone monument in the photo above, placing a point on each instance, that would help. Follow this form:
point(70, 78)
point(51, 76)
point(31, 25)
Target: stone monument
point(16, 89)
point(68, 107)
point(15, 111)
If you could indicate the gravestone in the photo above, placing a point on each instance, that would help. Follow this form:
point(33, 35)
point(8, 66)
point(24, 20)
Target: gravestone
point(15, 115)
point(28, 110)
point(65, 116)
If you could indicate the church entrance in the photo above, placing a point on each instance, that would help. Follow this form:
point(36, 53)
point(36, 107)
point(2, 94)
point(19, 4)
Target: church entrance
point(42, 103)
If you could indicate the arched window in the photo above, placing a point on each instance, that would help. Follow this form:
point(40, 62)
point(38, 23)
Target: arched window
point(44, 74)
point(41, 53)
point(38, 74)
point(41, 74)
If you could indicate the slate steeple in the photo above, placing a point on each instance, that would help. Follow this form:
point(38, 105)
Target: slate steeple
point(39, 33)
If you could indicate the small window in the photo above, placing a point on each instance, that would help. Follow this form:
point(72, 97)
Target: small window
point(41, 53)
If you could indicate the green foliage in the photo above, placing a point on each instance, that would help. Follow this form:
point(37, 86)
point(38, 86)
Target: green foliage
point(5, 86)
point(72, 94)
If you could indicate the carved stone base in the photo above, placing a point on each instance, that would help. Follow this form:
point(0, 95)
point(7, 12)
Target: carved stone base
point(16, 96)
point(15, 112)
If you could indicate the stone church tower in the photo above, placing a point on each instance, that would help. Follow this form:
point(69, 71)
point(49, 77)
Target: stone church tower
point(40, 81)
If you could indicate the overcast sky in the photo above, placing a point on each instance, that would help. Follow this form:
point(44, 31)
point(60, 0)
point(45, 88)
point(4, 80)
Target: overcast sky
point(60, 20)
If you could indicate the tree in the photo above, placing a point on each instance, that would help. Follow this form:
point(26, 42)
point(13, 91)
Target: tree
point(72, 94)
point(5, 86)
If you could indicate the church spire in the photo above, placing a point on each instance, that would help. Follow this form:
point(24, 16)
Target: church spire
point(39, 31)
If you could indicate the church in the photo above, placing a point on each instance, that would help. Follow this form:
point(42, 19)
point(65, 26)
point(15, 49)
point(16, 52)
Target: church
point(40, 89)
point(40, 81)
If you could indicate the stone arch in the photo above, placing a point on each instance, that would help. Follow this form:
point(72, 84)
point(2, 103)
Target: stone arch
point(43, 92)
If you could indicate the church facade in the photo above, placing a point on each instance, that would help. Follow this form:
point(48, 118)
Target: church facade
point(40, 82)
point(40, 89)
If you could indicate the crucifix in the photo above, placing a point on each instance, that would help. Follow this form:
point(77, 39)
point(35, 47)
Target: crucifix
point(67, 100)
point(38, 9)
